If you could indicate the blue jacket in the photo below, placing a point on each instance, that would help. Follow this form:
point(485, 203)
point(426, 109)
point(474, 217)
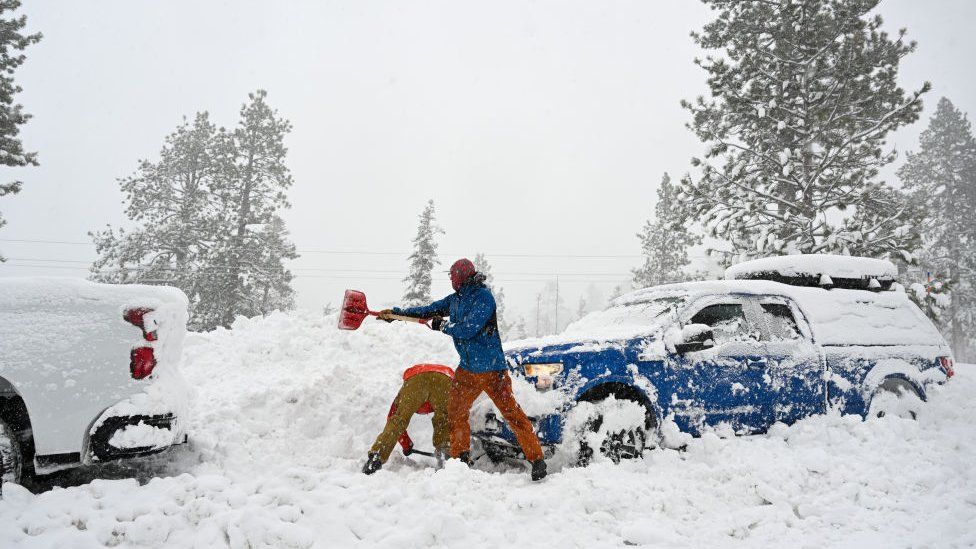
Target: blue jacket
point(473, 325)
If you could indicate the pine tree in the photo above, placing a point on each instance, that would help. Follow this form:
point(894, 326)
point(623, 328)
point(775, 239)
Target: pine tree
point(664, 241)
point(171, 202)
point(252, 192)
point(618, 290)
point(272, 281)
point(581, 308)
point(518, 330)
point(595, 298)
point(12, 115)
point(803, 94)
point(423, 259)
point(551, 312)
point(941, 176)
point(482, 266)
point(206, 216)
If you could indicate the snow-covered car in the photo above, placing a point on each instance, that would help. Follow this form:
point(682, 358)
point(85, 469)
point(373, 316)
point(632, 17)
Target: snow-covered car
point(88, 372)
point(778, 340)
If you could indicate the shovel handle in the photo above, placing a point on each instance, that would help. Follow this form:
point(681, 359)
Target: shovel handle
point(404, 318)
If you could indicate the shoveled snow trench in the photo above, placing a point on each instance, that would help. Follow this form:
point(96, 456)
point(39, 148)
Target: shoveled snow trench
point(286, 406)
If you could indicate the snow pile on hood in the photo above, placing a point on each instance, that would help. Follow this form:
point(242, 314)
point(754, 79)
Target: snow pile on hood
point(619, 322)
point(288, 406)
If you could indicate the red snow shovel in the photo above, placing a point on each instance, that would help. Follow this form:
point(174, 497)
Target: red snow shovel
point(354, 311)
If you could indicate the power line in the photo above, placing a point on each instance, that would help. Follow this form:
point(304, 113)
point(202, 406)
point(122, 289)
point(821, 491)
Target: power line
point(44, 241)
point(372, 275)
point(218, 267)
point(401, 254)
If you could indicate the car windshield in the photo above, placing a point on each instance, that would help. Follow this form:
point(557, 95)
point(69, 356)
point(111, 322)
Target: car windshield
point(625, 320)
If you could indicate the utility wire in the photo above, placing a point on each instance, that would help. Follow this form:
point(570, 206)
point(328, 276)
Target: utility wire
point(386, 253)
point(218, 267)
point(542, 277)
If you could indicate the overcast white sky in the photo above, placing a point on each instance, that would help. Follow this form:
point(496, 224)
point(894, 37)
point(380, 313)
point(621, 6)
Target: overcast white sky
point(539, 128)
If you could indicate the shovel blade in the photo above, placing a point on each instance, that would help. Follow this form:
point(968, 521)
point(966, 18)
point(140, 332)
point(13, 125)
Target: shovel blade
point(353, 310)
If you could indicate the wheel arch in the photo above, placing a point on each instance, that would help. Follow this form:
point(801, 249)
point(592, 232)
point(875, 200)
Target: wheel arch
point(901, 379)
point(893, 369)
point(13, 410)
point(619, 389)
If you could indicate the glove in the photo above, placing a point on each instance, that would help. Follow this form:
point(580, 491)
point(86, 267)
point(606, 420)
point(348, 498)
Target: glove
point(384, 315)
point(437, 323)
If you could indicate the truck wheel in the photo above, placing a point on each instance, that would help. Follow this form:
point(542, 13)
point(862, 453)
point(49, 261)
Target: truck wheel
point(895, 397)
point(11, 459)
point(618, 429)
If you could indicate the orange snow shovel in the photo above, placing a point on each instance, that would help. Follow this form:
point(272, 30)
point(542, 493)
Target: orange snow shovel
point(354, 311)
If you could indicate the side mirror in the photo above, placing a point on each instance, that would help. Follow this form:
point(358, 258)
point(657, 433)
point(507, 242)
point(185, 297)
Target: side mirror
point(694, 337)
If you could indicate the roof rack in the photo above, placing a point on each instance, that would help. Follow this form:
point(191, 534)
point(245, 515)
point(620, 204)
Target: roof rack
point(819, 271)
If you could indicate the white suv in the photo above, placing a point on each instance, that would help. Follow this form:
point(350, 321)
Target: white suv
point(88, 372)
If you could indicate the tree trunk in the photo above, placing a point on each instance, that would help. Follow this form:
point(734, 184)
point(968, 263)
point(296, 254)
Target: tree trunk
point(235, 271)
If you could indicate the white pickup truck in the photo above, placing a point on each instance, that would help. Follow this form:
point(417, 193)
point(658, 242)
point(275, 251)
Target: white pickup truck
point(88, 372)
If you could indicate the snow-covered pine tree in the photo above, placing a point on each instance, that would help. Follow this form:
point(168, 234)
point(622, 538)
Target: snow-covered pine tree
point(664, 241)
point(423, 259)
point(552, 314)
point(482, 266)
point(12, 115)
point(941, 175)
point(176, 217)
point(518, 330)
point(618, 290)
point(272, 279)
point(581, 308)
point(803, 94)
point(251, 191)
point(595, 298)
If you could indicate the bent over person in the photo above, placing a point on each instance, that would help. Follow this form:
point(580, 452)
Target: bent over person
point(425, 390)
point(473, 325)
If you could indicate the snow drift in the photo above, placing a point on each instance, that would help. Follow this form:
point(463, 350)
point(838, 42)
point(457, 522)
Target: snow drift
point(286, 407)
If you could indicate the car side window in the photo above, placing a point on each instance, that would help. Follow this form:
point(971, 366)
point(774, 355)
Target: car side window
point(779, 319)
point(727, 321)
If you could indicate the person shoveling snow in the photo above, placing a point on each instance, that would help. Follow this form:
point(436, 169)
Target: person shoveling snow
point(425, 389)
point(473, 325)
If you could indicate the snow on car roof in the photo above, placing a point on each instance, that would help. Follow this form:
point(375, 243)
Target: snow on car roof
point(814, 265)
point(837, 317)
point(29, 291)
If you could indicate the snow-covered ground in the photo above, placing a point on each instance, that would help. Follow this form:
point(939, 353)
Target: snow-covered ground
point(287, 406)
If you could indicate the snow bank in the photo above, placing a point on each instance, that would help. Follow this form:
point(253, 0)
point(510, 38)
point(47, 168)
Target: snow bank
point(288, 405)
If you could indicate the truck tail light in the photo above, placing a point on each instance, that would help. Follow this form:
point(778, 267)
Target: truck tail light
point(141, 362)
point(137, 317)
point(946, 364)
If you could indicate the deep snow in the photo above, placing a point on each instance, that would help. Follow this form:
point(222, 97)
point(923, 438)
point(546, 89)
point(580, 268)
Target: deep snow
point(287, 406)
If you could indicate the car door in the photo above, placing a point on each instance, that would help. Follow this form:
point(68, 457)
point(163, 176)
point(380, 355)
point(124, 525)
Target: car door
point(794, 384)
point(722, 384)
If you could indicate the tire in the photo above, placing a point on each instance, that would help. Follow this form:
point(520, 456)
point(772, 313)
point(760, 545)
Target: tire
point(494, 454)
point(11, 457)
point(895, 398)
point(614, 444)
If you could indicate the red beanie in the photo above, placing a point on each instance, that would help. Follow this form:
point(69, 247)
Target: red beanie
point(461, 271)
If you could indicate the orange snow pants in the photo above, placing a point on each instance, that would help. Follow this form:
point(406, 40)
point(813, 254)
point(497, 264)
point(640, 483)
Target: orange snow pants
point(466, 388)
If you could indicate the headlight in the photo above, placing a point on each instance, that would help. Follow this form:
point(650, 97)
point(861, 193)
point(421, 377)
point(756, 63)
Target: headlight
point(543, 370)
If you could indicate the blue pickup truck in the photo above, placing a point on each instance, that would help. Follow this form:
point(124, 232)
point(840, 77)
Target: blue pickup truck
point(778, 340)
